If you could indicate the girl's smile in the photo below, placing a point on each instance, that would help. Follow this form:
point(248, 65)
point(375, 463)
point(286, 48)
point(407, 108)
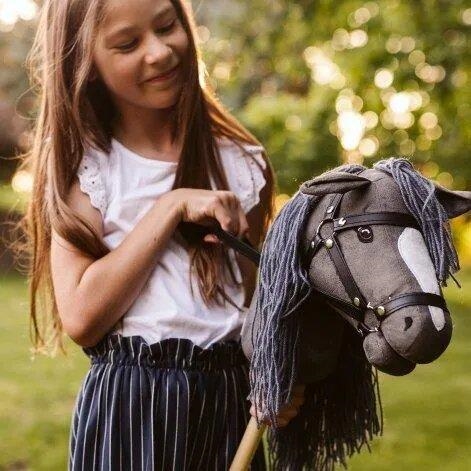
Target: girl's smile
point(159, 78)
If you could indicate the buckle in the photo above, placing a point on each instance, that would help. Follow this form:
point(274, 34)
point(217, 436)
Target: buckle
point(364, 330)
point(319, 227)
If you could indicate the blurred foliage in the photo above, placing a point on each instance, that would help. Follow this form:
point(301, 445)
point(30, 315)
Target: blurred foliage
point(16, 100)
point(11, 200)
point(318, 82)
point(257, 55)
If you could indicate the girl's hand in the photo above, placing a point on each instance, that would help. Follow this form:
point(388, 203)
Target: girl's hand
point(290, 410)
point(200, 206)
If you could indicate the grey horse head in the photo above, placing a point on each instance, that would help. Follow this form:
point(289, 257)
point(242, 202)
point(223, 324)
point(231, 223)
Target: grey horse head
point(388, 261)
point(293, 331)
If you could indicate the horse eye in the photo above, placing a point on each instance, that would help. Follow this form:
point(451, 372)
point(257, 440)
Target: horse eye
point(365, 234)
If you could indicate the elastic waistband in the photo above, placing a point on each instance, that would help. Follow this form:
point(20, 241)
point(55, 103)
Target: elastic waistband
point(168, 353)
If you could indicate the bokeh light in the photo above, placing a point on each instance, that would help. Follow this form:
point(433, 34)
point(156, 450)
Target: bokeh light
point(12, 11)
point(383, 78)
point(22, 182)
point(324, 70)
point(351, 125)
point(466, 16)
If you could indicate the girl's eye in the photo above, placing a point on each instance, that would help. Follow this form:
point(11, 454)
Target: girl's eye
point(164, 30)
point(167, 28)
point(127, 47)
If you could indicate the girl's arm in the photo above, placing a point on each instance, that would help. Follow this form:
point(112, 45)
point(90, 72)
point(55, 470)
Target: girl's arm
point(92, 295)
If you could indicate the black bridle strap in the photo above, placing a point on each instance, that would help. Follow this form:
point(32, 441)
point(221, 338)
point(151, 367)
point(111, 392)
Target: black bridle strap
point(329, 214)
point(242, 246)
point(351, 311)
point(332, 209)
point(341, 266)
point(414, 299)
point(373, 219)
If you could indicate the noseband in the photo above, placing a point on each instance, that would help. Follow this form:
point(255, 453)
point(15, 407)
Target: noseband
point(360, 309)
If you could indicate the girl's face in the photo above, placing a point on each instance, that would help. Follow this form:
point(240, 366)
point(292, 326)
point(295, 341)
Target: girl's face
point(137, 41)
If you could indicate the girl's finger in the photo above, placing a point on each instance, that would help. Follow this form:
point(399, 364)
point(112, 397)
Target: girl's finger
point(232, 204)
point(258, 416)
point(288, 414)
point(211, 238)
point(297, 401)
point(223, 214)
point(298, 389)
point(243, 224)
point(285, 415)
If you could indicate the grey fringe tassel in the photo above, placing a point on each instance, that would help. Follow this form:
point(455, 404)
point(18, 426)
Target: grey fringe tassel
point(419, 197)
point(283, 286)
point(340, 413)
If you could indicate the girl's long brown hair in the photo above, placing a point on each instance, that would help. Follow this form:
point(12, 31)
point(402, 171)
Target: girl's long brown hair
point(75, 113)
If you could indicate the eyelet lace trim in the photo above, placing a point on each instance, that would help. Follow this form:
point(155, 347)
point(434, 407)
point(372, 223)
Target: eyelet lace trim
point(249, 176)
point(91, 182)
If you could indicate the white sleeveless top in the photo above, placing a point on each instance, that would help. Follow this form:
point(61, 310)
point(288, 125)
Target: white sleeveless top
point(124, 186)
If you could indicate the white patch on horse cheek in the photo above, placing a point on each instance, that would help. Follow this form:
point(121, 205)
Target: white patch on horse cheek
point(414, 252)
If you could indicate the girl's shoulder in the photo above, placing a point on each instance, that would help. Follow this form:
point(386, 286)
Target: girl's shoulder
point(244, 165)
point(92, 175)
point(229, 143)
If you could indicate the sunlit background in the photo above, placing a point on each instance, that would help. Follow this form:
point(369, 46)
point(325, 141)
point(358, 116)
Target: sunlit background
point(319, 83)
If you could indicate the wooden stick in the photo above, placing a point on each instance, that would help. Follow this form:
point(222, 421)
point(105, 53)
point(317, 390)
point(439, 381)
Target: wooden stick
point(248, 446)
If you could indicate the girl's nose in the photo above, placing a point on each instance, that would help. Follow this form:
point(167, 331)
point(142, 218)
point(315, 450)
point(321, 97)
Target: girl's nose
point(157, 51)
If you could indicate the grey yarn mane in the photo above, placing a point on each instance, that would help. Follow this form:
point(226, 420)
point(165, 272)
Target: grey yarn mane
point(283, 286)
point(419, 197)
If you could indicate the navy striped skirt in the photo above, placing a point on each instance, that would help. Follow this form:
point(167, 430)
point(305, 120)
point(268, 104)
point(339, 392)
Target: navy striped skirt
point(170, 405)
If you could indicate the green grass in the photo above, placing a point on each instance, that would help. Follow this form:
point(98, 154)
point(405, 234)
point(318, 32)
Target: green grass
point(427, 414)
point(36, 397)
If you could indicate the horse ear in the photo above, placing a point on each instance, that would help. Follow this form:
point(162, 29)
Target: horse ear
point(455, 203)
point(333, 182)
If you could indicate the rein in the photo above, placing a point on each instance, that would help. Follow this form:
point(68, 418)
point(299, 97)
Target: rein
point(242, 246)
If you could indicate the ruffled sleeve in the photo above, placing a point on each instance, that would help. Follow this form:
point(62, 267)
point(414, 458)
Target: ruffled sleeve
point(244, 171)
point(91, 175)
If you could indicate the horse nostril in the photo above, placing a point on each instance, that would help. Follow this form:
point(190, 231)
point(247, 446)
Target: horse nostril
point(408, 321)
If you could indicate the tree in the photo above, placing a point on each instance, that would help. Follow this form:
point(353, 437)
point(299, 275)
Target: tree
point(321, 82)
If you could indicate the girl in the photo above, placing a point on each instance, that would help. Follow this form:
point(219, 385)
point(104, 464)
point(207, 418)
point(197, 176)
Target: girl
point(129, 143)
